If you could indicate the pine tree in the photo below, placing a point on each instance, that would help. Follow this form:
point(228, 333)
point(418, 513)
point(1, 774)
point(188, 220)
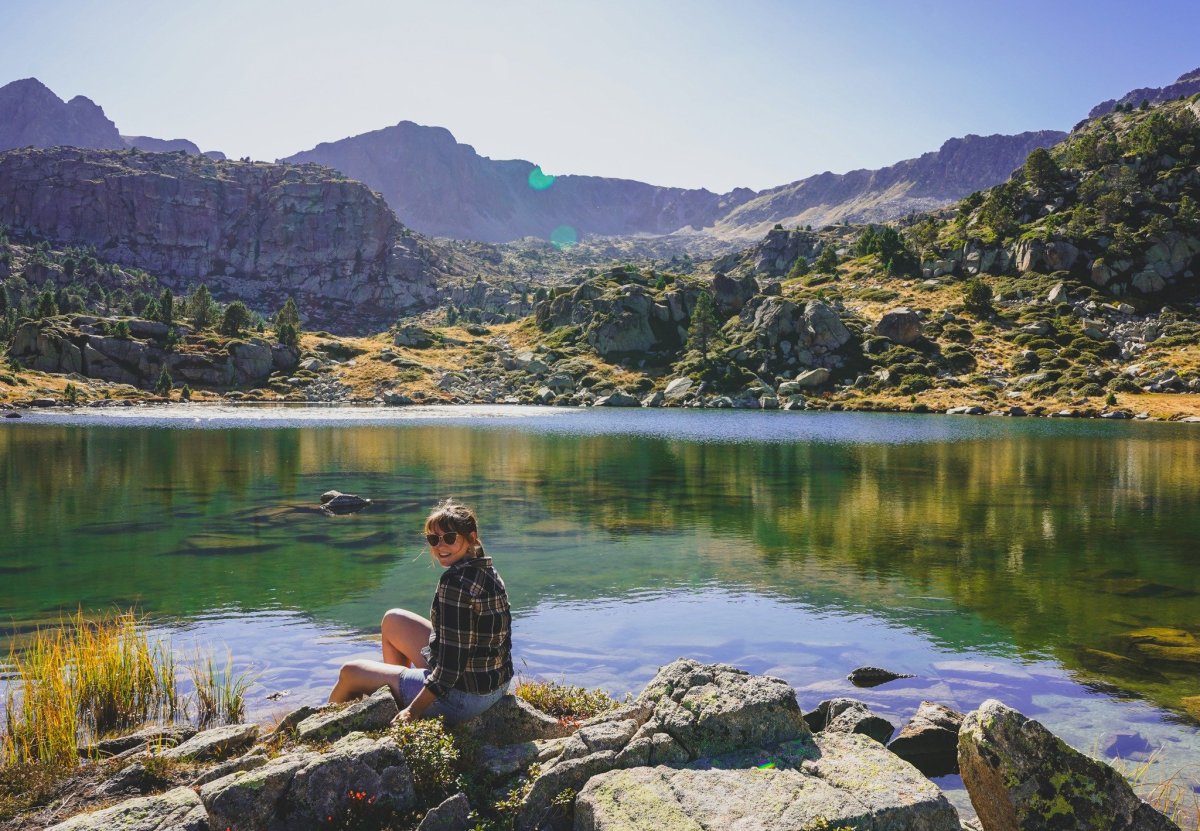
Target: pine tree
point(200, 308)
point(163, 387)
point(287, 334)
point(289, 314)
point(827, 260)
point(166, 307)
point(703, 329)
point(799, 268)
point(235, 318)
point(4, 301)
point(46, 306)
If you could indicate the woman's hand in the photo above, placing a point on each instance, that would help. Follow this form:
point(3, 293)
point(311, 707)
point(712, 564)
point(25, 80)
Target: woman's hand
point(403, 716)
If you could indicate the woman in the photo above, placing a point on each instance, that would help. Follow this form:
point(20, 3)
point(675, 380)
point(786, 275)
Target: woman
point(457, 663)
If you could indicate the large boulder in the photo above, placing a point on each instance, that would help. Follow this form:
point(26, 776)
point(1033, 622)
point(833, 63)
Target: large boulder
point(899, 325)
point(731, 293)
point(304, 789)
point(825, 329)
point(621, 324)
point(374, 712)
point(712, 708)
point(1020, 777)
point(513, 720)
point(929, 742)
point(249, 362)
point(810, 783)
point(176, 810)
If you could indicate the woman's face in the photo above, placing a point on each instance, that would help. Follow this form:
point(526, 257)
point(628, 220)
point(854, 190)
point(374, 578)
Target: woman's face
point(448, 555)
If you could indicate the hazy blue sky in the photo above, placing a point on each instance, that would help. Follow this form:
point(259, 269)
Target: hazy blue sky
point(675, 93)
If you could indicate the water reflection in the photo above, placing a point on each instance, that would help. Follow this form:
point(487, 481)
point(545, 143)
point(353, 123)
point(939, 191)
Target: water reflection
point(1026, 540)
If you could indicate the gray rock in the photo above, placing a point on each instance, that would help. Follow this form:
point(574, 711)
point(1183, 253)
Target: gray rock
point(713, 708)
point(1058, 294)
point(178, 809)
point(217, 743)
point(873, 676)
point(513, 720)
point(899, 325)
point(452, 815)
point(357, 764)
point(416, 337)
point(1020, 777)
point(256, 758)
point(812, 378)
point(374, 712)
point(845, 715)
point(537, 810)
point(620, 398)
point(677, 389)
point(250, 800)
point(336, 502)
point(832, 782)
point(167, 736)
point(730, 293)
point(929, 742)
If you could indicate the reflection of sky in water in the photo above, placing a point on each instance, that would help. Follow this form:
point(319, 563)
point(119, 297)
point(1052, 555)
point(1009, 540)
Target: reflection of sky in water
point(691, 425)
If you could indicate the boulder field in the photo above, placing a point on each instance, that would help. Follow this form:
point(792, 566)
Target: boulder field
point(703, 746)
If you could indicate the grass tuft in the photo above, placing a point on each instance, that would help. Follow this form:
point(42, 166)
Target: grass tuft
point(220, 693)
point(565, 701)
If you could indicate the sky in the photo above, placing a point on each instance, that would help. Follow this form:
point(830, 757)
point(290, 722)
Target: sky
point(754, 93)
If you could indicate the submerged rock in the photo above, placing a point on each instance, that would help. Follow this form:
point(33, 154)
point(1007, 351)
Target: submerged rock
point(929, 742)
point(1021, 777)
point(873, 676)
point(336, 502)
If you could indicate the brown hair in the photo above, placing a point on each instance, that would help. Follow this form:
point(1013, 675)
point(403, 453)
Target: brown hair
point(451, 515)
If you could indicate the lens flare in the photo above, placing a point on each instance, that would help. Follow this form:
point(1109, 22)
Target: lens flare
point(564, 236)
point(767, 766)
point(539, 180)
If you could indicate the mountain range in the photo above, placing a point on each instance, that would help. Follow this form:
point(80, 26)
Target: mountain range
point(440, 187)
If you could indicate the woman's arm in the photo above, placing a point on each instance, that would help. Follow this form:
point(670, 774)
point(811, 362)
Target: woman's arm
point(416, 708)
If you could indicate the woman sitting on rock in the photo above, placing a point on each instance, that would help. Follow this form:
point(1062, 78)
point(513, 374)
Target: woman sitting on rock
point(459, 662)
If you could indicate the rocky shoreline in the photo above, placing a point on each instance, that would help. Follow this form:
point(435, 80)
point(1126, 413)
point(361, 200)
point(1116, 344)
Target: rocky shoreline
point(702, 746)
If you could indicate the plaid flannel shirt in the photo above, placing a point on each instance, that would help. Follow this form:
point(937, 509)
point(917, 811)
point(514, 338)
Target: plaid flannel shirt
point(470, 648)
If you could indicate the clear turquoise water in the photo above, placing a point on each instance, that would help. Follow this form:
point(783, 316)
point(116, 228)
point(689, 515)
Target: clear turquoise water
point(988, 557)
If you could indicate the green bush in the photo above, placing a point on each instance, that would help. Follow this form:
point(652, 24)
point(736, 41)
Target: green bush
point(432, 757)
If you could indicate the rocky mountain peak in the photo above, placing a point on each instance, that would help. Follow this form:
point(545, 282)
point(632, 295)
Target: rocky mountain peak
point(32, 115)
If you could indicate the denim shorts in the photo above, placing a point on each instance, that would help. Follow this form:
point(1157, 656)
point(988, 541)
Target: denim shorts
point(456, 706)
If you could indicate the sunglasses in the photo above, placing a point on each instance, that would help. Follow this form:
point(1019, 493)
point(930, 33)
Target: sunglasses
point(450, 537)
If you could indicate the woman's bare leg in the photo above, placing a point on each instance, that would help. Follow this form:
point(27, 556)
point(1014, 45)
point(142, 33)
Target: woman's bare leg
point(358, 678)
point(403, 635)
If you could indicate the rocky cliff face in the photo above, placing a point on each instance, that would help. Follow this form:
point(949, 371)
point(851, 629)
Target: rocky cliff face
point(961, 166)
point(253, 231)
point(32, 115)
point(444, 188)
point(1187, 84)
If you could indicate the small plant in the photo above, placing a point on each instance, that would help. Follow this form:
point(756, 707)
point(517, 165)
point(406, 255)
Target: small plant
point(163, 386)
point(565, 701)
point(432, 756)
point(220, 693)
point(185, 394)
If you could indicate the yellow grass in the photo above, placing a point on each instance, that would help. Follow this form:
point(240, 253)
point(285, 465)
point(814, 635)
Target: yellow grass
point(83, 678)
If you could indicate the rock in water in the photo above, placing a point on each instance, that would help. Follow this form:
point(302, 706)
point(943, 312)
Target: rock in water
point(873, 676)
point(1021, 777)
point(930, 741)
point(336, 502)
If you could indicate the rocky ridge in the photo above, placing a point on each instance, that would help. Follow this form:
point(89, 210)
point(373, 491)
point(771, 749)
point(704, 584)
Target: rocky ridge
point(1186, 85)
point(255, 232)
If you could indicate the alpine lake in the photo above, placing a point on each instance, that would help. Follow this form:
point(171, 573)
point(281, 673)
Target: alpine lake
point(1051, 564)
